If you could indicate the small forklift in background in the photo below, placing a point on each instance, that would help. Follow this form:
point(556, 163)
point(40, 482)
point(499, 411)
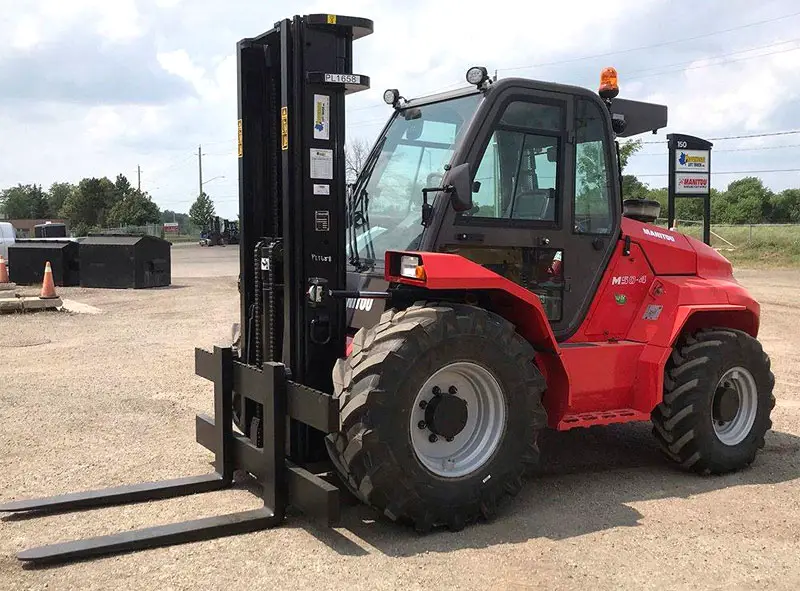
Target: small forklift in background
point(220, 232)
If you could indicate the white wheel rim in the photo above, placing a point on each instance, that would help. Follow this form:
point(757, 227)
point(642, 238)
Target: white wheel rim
point(737, 429)
point(474, 446)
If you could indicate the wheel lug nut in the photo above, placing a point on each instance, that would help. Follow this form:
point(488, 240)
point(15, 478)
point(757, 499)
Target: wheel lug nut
point(423, 404)
point(436, 391)
point(453, 390)
point(432, 438)
point(422, 425)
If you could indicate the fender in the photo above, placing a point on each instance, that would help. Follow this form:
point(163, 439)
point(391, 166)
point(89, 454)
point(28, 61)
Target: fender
point(448, 272)
point(688, 304)
point(453, 272)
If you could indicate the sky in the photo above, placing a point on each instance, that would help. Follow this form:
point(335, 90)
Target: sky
point(102, 87)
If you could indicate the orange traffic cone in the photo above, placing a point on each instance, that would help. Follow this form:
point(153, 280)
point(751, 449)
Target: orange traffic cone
point(48, 287)
point(3, 271)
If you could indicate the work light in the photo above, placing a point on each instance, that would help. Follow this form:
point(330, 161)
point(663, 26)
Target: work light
point(477, 75)
point(391, 96)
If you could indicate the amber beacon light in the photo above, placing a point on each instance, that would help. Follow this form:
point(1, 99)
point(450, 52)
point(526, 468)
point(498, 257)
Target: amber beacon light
point(609, 83)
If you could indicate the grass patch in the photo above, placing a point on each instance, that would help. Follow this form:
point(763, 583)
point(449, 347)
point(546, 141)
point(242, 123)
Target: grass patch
point(753, 246)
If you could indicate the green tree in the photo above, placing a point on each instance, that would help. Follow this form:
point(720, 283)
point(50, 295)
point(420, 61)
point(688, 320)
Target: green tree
point(628, 149)
point(57, 195)
point(633, 188)
point(134, 209)
point(747, 201)
point(25, 202)
point(202, 210)
point(89, 204)
point(786, 207)
point(122, 188)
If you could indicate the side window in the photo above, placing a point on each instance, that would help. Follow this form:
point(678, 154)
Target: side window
point(592, 211)
point(517, 177)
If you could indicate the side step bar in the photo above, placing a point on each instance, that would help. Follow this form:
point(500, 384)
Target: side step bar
point(282, 482)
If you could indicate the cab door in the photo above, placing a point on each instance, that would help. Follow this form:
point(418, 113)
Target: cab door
point(546, 208)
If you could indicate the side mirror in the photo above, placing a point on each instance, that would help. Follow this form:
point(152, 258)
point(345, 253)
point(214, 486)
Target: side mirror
point(460, 187)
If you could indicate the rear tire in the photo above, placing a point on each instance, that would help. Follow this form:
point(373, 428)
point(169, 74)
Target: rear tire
point(378, 450)
point(717, 401)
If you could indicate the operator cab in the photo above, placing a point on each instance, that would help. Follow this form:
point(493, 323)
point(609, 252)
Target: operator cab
point(539, 194)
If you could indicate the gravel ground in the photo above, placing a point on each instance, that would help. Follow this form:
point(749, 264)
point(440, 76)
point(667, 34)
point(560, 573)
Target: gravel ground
point(100, 400)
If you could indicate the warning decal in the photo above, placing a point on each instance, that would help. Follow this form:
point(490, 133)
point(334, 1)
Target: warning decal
point(322, 117)
point(284, 128)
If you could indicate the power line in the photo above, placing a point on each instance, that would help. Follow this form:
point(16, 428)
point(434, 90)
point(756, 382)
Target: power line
point(651, 46)
point(737, 137)
point(700, 66)
point(717, 151)
point(713, 57)
point(716, 172)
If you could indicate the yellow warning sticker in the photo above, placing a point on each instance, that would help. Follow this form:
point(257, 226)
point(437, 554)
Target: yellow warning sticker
point(331, 19)
point(241, 147)
point(284, 128)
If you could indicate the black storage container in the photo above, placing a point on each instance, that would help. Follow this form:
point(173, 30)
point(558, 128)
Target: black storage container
point(50, 231)
point(27, 259)
point(125, 262)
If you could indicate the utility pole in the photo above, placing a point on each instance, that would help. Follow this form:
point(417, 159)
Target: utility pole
point(200, 169)
point(139, 175)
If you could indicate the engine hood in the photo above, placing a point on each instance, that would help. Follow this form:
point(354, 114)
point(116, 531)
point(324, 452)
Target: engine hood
point(710, 263)
point(668, 252)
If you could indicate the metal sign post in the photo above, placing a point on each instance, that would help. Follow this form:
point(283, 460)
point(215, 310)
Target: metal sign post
point(690, 176)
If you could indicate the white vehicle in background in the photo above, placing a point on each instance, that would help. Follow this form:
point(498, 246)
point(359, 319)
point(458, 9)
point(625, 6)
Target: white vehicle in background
point(7, 238)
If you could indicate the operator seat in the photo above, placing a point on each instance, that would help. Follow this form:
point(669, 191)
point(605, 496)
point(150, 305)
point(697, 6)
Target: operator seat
point(534, 204)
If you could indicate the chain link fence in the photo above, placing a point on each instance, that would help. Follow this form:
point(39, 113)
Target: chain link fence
point(733, 236)
point(186, 234)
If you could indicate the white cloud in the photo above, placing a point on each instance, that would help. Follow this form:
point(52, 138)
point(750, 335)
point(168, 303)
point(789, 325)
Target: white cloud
point(116, 21)
point(25, 34)
point(417, 47)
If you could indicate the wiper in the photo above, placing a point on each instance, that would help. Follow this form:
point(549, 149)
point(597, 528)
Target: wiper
point(357, 206)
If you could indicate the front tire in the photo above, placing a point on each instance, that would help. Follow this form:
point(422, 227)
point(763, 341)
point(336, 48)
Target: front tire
point(440, 407)
point(717, 401)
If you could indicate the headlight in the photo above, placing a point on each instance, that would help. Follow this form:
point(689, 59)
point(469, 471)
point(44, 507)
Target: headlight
point(411, 267)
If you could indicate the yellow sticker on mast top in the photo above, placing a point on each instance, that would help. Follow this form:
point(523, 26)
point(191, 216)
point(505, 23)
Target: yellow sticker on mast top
point(331, 19)
point(284, 128)
point(239, 138)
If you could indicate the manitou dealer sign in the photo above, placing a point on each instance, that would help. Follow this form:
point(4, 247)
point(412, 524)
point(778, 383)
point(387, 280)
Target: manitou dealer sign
point(690, 175)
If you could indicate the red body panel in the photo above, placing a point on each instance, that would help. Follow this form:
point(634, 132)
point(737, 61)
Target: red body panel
point(612, 368)
point(669, 253)
point(451, 271)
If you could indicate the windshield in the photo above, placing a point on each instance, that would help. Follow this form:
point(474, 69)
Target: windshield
point(387, 202)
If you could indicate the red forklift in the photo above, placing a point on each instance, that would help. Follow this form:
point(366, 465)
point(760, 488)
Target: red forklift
point(407, 340)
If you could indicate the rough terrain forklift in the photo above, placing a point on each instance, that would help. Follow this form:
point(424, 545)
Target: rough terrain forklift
point(409, 337)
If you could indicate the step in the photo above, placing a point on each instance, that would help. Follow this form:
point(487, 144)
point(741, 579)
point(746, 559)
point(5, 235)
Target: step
point(604, 417)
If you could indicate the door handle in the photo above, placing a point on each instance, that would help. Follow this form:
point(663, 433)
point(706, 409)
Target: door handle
point(463, 237)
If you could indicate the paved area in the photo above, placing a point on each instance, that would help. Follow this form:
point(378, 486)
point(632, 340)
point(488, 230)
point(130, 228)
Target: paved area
point(192, 260)
point(92, 400)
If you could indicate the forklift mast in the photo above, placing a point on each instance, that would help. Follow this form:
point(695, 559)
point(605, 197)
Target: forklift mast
point(292, 85)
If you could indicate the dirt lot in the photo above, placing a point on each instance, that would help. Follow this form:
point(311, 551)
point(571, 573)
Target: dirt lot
point(106, 399)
